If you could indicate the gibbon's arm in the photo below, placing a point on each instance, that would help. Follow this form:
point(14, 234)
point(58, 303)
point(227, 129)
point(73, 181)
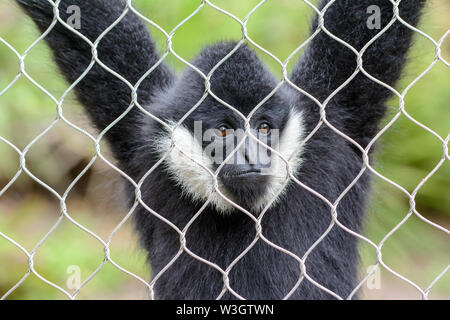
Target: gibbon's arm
point(327, 63)
point(127, 49)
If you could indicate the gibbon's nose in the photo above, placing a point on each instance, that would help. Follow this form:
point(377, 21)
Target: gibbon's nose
point(245, 177)
point(249, 151)
point(252, 157)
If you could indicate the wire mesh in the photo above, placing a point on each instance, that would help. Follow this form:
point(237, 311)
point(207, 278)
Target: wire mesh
point(184, 246)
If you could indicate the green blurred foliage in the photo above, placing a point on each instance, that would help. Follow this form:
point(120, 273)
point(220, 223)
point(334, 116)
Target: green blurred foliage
point(406, 155)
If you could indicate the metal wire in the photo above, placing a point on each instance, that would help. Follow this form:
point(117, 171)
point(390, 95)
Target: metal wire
point(335, 223)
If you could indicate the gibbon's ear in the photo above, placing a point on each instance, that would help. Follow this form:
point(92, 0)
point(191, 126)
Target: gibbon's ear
point(126, 49)
point(327, 63)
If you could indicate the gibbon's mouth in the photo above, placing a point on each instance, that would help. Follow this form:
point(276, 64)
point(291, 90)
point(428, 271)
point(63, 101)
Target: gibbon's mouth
point(243, 174)
point(245, 186)
point(239, 180)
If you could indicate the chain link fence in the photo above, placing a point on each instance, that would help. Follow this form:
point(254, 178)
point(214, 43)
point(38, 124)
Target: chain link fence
point(65, 215)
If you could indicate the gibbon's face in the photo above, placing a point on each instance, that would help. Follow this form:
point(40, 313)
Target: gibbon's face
point(248, 173)
point(213, 140)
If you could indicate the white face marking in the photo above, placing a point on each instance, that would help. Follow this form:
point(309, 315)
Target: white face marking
point(197, 182)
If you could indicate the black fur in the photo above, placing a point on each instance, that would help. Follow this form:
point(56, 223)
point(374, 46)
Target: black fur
point(330, 162)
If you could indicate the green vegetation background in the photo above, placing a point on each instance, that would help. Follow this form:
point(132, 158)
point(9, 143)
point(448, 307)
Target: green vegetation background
point(406, 154)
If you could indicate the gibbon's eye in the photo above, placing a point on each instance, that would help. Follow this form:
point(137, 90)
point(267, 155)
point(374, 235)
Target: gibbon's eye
point(264, 128)
point(222, 131)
